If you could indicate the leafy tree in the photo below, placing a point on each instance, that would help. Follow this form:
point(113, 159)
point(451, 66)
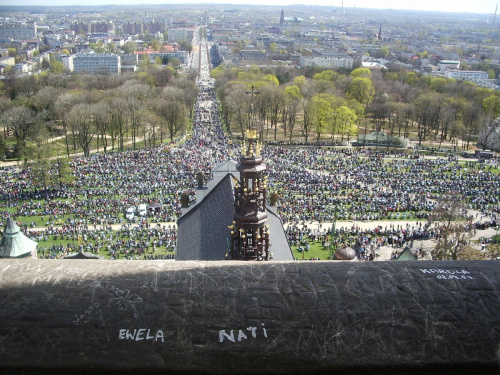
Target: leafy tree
point(361, 89)
point(63, 173)
point(383, 52)
point(322, 113)
point(186, 45)
point(326, 75)
point(174, 62)
point(362, 72)
point(345, 122)
point(56, 66)
point(299, 81)
point(130, 47)
point(40, 164)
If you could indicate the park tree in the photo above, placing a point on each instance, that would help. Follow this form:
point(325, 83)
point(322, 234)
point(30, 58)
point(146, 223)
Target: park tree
point(326, 75)
point(40, 164)
point(322, 113)
point(299, 81)
point(82, 126)
point(361, 89)
point(239, 108)
point(101, 115)
point(3, 149)
point(450, 217)
point(119, 121)
point(189, 92)
point(344, 122)
point(449, 115)
point(162, 75)
point(489, 127)
point(62, 172)
point(489, 131)
point(307, 123)
point(292, 101)
point(62, 106)
point(361, 72)
point(23, 123)
point(472, 115)
point(174, 112)
point(427, 108)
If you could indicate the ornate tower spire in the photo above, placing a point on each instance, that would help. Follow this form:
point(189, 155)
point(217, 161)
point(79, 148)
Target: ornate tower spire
point(282, 18)
point(249, 232)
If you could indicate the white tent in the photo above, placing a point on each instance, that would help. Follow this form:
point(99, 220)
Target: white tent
point(15, 244)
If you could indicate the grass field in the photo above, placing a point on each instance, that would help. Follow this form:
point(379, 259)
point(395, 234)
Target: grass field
point(316, 250)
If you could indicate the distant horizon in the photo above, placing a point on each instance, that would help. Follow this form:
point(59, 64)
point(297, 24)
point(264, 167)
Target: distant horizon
point(449, 6)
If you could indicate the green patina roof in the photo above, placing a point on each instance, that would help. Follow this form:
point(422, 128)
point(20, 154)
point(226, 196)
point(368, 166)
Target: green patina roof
point(406, 255)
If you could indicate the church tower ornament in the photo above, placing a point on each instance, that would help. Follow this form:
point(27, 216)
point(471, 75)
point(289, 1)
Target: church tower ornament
point(249, 231)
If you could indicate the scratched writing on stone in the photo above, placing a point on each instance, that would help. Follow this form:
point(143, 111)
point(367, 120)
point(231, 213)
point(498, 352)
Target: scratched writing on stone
point(448, 274)
point(243, 334)
point(88, 314)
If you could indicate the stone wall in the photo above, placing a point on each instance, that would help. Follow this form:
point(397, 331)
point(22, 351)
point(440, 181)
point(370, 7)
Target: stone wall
point(60, 316)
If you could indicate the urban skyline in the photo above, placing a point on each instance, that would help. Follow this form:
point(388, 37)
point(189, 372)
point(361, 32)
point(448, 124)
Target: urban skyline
point(482, 7)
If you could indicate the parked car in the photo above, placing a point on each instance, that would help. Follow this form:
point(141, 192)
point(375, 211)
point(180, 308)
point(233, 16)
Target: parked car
point(143, 210)
point(130, 213)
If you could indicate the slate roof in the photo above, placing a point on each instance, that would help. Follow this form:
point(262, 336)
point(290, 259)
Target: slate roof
point(81, 255)
point(14, 243)
point(203, 232)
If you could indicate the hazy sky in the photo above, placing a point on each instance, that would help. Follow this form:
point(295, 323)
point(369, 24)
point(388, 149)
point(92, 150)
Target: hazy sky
point(472, 6)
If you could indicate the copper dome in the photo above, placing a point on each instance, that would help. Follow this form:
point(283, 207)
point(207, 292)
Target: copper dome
point(345, 253)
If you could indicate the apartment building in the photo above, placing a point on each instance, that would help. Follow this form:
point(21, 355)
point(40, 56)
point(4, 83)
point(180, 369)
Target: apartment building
point(100, 63)
point(176, 35)
point(18, 31)
point(333, 60)
point(465, 74)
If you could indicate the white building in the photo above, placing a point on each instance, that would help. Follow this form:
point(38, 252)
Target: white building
point(448, 64)
point(465, 74)
point(103, 63)
point(328, 60)
point(67, 61)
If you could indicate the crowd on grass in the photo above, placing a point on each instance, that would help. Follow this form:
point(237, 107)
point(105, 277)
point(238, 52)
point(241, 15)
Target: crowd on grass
point(314, 185)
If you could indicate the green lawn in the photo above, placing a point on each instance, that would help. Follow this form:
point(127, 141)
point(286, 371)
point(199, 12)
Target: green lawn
point(316, 250)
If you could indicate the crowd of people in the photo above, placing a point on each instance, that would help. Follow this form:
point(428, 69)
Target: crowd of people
point(325, 185)
point(314, 184)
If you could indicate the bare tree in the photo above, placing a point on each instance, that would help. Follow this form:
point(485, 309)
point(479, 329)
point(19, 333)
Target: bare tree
point(455, 231)
point(101, 115)
point(63, 106)
point(306, 125)
point(119, 120)
point(82, 126)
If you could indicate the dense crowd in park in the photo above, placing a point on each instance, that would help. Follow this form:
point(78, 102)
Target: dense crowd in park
point(315, 184)
point(325, 185)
